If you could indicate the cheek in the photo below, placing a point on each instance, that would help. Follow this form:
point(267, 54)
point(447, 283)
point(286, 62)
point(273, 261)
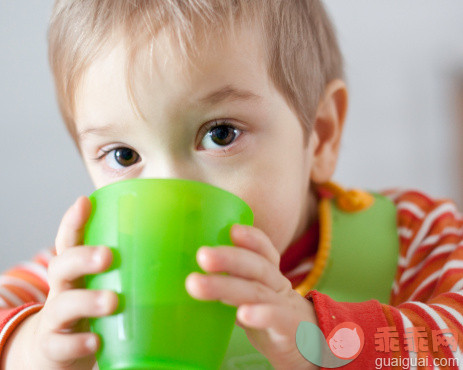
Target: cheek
point(277, 209)
point(97, 178)
point(274, 182)
point(278, 195)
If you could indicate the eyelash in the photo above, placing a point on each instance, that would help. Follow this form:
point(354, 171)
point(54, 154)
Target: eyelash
point(201, 134)
point(105, 153)
point(217, 123)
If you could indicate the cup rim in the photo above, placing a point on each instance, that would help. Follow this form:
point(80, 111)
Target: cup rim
point(177, 180)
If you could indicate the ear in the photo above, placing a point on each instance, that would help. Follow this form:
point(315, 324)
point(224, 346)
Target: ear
point(327, 131)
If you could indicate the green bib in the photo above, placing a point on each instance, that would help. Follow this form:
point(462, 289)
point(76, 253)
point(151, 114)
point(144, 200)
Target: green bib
point(361, 266)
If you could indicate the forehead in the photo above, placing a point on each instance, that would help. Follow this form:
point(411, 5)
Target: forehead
point(161, 73)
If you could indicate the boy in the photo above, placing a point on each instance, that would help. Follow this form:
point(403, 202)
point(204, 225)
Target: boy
point(247, 96)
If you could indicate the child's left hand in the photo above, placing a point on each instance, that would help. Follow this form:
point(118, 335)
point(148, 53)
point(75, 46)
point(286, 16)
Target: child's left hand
point(268, 308)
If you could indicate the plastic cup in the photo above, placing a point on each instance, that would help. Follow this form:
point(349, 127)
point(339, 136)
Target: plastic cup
point(154, 228)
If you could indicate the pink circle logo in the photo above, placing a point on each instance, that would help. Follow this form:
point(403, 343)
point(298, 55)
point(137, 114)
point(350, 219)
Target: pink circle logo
point(346, 340)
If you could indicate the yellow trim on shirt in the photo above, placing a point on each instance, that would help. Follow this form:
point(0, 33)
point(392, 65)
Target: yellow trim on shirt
point(323, 252)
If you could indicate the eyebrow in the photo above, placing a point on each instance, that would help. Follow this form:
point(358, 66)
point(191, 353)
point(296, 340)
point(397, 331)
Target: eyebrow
point(229, 93)
point(101, 130)
point(226, 93)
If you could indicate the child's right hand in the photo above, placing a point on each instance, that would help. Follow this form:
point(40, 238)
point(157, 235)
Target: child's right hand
point(58, 337)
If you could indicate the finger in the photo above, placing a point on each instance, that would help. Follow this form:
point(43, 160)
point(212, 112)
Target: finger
point(254, 239)
point(66, 271)
point(229, 289)
point(66, 309)
point(71, 229)
point(68, 347)
point(243, 263)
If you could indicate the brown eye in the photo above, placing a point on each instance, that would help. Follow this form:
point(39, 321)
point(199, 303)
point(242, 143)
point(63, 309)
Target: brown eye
point(121, 157)
point(125, 157)
point(220, 136)
point(223, 135)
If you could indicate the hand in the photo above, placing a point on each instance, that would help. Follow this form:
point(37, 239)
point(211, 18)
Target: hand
point(269, 310)
point(58, 337)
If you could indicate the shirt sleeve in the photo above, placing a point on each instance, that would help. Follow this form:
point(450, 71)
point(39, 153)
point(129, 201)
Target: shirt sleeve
point(423, 322)
point(23, 291)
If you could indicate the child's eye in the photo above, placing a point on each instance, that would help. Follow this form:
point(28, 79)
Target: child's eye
point(220, 136)
point(121, 157)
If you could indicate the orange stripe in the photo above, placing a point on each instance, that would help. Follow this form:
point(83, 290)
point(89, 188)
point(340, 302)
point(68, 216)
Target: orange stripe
point(30, 277)
point(451, 276)
point(388, 313)
point(424, 253)
point(451, 325)
point(436, 228)
point(409, 287)
point(9, 304)
point(22, 294)
point(447, 281)
point(448, 299)
point(44, 260)
point(421, 200)
point(425, 249)
point(429, 325)
point(458, 326)
point(432, 263)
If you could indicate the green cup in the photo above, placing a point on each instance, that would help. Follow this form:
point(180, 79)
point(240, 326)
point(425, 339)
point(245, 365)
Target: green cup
point(154, 228)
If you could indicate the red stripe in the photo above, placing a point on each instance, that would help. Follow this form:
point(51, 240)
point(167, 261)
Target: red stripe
point(413, 278)
point(431, 324)
point(449, 316)
point(407, 213)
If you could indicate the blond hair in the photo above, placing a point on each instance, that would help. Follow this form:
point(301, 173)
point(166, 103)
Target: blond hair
point(302, 52)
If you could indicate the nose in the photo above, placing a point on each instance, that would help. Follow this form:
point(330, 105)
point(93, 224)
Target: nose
point(172, 168)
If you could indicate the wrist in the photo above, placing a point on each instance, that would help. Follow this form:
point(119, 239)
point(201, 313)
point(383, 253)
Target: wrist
point(17, 349)
point(294, 359)
point(297, 362)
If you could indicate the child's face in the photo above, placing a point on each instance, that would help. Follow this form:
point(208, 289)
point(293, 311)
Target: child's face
point(223, 123)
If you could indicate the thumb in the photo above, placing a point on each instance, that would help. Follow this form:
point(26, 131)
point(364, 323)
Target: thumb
point(71, 229)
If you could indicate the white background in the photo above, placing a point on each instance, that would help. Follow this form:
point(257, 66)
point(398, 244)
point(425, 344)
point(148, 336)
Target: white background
point(403, 59)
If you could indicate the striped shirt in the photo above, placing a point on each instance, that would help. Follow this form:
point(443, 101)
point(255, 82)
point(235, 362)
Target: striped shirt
point(426, 299)
point(427, 295)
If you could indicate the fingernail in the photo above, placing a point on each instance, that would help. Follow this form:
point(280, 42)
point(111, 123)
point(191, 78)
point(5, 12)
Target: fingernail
point(202, 254)
point(97, 256)
point(237, 228)
point(101, 301)
point(246, 313)
point(190, 286)
point(74, 206)
point(91, 343)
